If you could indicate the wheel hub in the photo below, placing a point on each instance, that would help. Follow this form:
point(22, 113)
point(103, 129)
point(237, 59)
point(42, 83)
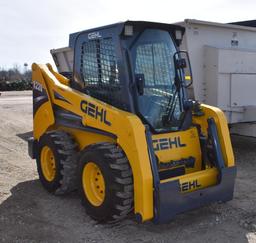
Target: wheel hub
point(48, 163)
point(93, 184)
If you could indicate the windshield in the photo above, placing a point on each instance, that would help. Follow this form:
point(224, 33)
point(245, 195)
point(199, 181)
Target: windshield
point(153, 57)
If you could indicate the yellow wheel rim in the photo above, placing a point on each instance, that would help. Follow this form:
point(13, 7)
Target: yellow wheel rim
point(48, 164)
point(93, 184)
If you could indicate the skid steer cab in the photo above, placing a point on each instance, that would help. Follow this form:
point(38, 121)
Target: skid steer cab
point(122, 130)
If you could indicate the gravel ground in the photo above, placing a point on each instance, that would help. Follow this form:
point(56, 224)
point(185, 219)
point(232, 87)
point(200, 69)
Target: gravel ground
point(29, 214)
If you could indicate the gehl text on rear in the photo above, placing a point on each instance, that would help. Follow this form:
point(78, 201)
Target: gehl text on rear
point(188, 185)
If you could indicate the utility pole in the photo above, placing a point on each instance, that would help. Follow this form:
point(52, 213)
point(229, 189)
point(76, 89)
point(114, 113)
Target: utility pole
point(25, 70)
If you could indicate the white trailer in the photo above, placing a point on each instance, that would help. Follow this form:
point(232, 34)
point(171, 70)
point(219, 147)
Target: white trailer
point(223, 60)
point(63, 58)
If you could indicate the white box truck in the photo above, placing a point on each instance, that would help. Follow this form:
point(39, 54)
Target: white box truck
point(223, 59)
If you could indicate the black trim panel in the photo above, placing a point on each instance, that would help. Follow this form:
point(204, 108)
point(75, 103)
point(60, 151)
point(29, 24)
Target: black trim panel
point(32, 148)
point(69, 119)
point(58, 96)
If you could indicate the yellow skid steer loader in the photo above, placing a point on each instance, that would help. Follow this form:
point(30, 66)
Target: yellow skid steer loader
point(120, 128)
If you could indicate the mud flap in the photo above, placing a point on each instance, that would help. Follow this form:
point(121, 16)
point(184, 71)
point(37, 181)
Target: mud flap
point(32, 147)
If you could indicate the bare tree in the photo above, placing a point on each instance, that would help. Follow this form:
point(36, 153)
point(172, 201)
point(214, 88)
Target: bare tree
point(15, 79)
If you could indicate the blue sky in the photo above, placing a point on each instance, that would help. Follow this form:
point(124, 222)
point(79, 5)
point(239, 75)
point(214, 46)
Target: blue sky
point(30, 28)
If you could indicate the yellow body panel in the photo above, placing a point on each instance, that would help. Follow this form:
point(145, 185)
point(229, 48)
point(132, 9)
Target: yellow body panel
point(198, 180)
point(44, 117)
point(130, 136)
point(178, 145)
point(60, 77)
point(222, 128)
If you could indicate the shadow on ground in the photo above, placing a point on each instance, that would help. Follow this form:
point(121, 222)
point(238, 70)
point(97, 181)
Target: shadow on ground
point(24, 216)
point(32, 215)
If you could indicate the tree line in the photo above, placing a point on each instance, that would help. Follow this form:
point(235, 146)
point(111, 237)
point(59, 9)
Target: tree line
point(15, 79)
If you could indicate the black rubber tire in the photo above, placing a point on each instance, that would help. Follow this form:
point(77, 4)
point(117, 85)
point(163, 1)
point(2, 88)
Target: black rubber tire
point(115, 168)
point(64, 149)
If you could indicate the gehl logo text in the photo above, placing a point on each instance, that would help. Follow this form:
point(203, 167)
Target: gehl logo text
point(167, 143)
point(94, 111)
point(188, 185)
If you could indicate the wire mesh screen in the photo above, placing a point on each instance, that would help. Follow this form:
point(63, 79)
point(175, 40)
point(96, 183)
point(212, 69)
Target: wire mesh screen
point(99, 70)
point(155, 62)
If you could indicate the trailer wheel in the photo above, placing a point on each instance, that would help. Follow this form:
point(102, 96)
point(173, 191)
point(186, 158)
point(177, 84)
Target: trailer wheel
point(106, 182)
point(56, 162)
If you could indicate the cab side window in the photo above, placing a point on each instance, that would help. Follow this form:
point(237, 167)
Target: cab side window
point(99, 70)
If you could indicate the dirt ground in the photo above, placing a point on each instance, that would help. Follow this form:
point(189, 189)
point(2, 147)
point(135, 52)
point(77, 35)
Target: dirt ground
point(29, 214)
